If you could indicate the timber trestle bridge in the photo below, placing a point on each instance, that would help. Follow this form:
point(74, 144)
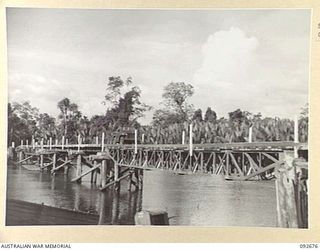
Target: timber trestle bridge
point(116, 162)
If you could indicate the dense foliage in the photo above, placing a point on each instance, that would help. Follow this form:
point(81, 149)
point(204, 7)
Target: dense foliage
point(125, 108)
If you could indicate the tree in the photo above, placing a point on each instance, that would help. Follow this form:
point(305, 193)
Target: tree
point(46, 126)
point(197, 115)
point(163, 117)
point(175, 97)
point(210, 115)
point(27, 114)
point(70, 117)
point(124, 98)
point(239, 123)
point(17, 127)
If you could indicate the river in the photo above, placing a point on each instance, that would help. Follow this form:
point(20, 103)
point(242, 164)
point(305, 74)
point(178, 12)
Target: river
point(197, 200)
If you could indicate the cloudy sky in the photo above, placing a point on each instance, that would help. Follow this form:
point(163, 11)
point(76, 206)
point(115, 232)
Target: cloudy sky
point(256, 60)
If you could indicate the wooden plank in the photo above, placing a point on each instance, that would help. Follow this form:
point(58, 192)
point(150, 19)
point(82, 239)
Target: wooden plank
point(236, 164)
point(113, 182)
point(85, 173)
point(260, 171)
point(25, 159)
point(62, 165)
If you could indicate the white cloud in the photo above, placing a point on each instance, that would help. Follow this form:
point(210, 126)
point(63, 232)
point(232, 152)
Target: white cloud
point(234, 74)
point(227, 56)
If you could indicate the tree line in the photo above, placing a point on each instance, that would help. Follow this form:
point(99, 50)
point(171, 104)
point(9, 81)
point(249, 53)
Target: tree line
point(124, 108)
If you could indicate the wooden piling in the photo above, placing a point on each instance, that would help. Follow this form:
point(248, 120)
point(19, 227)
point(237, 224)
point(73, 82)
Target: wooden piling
point(50, 143)
point(102, 142)
point(41, 161)
point(250, 134)
point(79, 142)
point(62, 143)
point(103, 173)
point(93, 173)
point(135, 141)
point(190, 141)
point(97, 140)
point(130, 180)
point(12, 144)
point(296, 135)
point(66, 167)
point(286, 205)
point(20, 156)
point(54, 161)
point(142, 139)
point(79, 167)
point(183, 136)
point(116, 177)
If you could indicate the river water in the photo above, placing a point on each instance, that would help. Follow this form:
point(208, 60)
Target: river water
point(197, 200)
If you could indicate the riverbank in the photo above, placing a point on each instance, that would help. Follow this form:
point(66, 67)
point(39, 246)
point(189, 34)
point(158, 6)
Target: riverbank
point(22, 213)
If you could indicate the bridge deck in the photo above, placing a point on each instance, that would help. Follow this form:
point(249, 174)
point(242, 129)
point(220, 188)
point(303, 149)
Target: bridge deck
point(288, 145)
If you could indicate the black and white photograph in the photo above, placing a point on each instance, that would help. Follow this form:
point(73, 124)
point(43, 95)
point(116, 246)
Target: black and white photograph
point(158, 117)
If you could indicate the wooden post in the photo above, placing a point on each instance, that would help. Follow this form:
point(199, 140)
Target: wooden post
point(21, 143)
point(135, 141)
point(79, 142)
point(183, 136)
point(190, 141)
point(116, 177)
point(102, 142)
point(56, 143)
point(41, 161)
point(67, 142)
point(228, 163)
point(140, 178)
point(250, 134)
point(142, 139)
point(79, 167)
point(20, 155)
point(33, 143)
point(27, 143)
point(285, 191)
point(12, 144)
point(93, 173)
point(97, 140)
point(65, 168)
point(50, 143)
point(62, 142)
point(103, 173)
point(296, 135)
point(41, 143)
point(130, 181)
point(54, 161)
point(102, 208)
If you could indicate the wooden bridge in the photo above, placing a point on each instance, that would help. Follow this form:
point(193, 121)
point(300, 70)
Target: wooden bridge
point(109, 164)
point(236, 161)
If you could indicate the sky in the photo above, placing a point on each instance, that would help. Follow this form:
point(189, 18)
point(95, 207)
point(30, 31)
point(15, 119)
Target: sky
point(255, 60)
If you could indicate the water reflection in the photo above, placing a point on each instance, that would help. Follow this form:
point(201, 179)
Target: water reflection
point(189, 199)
